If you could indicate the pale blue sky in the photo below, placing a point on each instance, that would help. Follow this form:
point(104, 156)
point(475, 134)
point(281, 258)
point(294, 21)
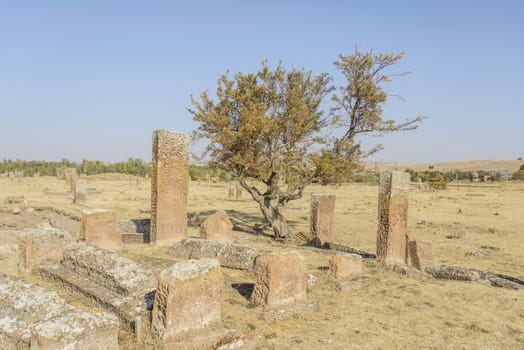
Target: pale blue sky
point(93, 79)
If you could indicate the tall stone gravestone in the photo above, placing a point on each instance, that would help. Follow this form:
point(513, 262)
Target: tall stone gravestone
point(169, 187)
point(392, 217)
point(322, 217)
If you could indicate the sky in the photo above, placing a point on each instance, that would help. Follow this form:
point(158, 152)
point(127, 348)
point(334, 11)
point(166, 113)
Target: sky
point(93, 79)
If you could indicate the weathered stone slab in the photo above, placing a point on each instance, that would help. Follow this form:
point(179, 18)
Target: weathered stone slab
point(80, 192)
point(43, 245)
point(475, 276)
point(188, 297)
point(392, 217)
point(419, 254)
point(70, 177)
point(235, 256)
point(100, 228)
point(114, 272)
point(322, 217)
point(103, 279)
point(343, 266)
point(217, 227)
point(280, 280)
point(169, 187)
point(34, 317)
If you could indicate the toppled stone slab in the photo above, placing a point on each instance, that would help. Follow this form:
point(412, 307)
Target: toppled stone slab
point(43, 245)
point(342, 248)
point(280, 280)
point(235, 256)
point(475, 276)
point(188, 297)
point(104, 279)
point(34, 317)
point(114, 272)
point(217, 227)
point(100, 228)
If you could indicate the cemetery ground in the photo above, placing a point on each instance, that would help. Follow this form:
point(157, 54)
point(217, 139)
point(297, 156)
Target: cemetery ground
point(475, 226)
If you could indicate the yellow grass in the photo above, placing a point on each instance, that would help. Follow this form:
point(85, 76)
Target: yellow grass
point(391, 311)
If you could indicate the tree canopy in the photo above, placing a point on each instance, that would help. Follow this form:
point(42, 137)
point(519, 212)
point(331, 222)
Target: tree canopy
point(269, 128)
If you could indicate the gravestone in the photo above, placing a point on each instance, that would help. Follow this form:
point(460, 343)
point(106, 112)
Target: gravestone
point(392, 217)
point(322, 217)
point(80, 192)
point(217, 227)
point(42, 245)
point(101, 229)
point(169, 187)
point(188, 297)
point(280, 280)
point(343, 266)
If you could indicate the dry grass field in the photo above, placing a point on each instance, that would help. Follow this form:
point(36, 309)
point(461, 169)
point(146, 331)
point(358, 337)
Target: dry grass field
point(479, 227)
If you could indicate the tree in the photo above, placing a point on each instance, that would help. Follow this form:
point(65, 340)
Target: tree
point(358, 109)
point(267, 128)
point(262, 128)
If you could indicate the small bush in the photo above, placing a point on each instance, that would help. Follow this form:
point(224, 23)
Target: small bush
point(519, 175)
point(438, 182)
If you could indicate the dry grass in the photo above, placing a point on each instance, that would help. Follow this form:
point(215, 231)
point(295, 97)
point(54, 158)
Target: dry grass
point(392, 311)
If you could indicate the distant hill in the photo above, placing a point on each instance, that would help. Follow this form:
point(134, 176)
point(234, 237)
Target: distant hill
point(510, 165)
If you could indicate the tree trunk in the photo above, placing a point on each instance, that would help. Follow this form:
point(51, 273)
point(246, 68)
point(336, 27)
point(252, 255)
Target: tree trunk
point(274, 216)
point(272, 207)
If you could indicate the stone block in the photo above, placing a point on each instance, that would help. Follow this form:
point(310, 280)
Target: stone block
point(169, 187)
point(419, 254)
point(188, 297)
point(34, 317)
point(280, 280)
point(392, 217)
point(76, 331)
point(80, 192)
point(114, 272)
point(343, 266)
point(43, 245)
point(217, 227)
point(235, 256)
point(101, 229)
point(322, 217)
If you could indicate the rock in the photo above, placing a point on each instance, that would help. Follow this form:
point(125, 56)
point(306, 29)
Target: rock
point(15, 200)
point(217, 227)
point(42, 245)
point(343, 266)
point(16, 211)
point(188, 297)
point(234, 256)
point(280, 280)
